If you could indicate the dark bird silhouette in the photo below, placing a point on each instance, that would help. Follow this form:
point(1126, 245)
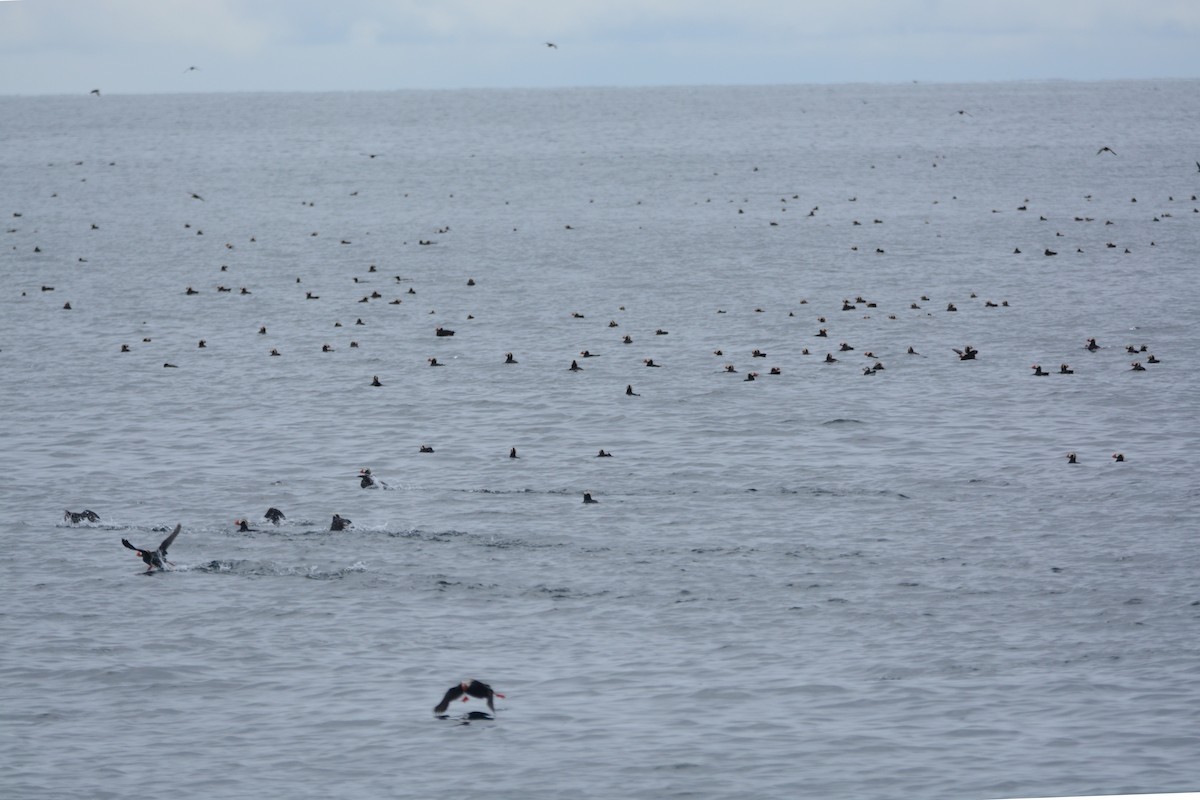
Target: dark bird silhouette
point(274, 514)
point(1106, 150)
point(368, 481)
point(197, 197)
point(191, 69)
point(155, 558)
point(968, 353)
point(339, 523)
point(467, 690)
point(95, 92)
point(76, 517)
point(243, 526)
point(552, 44)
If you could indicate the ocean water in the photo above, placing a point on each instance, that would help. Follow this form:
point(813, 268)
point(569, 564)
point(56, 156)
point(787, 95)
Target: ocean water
point(820, 583)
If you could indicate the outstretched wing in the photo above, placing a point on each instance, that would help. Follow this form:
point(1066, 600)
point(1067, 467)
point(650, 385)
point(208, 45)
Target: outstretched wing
point(131, 547)
point(452, 694)
point(162, 548)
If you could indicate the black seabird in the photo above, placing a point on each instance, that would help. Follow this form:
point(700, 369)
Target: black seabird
point(155, 558)
point(968, 353)
point(243, 526)
point(467, 690)
point(274, 514)
point(75, 518)
point(369, 481)
point(339, 523)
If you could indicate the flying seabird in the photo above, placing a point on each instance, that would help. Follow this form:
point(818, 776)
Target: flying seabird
point(466, 690)
point(155, 558)
point(552, 44)
point(76, 517)
point(1106, 150)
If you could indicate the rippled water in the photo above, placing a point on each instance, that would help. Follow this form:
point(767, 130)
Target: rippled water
point(816, 584)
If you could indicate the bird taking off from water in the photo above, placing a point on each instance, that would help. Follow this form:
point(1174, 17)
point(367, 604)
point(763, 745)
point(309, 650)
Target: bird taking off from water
point(466, 690)
point(155, 558)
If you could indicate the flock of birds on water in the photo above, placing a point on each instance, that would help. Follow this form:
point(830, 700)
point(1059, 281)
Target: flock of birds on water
point(155, 558)
point(845, 351)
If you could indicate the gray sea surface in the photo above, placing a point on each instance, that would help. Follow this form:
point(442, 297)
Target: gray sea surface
point(820, 583)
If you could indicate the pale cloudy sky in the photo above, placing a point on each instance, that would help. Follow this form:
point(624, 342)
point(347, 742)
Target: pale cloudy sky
point(140, 46)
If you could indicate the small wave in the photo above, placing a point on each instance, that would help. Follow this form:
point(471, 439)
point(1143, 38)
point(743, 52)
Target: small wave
point(270, 569)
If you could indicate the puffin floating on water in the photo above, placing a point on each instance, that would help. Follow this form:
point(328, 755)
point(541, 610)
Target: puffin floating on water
point(155, 558)
point(466, 690)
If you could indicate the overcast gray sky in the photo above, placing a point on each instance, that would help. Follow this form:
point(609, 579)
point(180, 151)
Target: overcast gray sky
point(140, 46)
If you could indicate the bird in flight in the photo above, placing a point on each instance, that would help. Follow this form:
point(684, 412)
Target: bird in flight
point(95, 92)
point(191, 69)
point(1106, 150)
point(962, 113)
point(552, 44)
point(154, 558)
point(197, 197)
point(466, 690)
